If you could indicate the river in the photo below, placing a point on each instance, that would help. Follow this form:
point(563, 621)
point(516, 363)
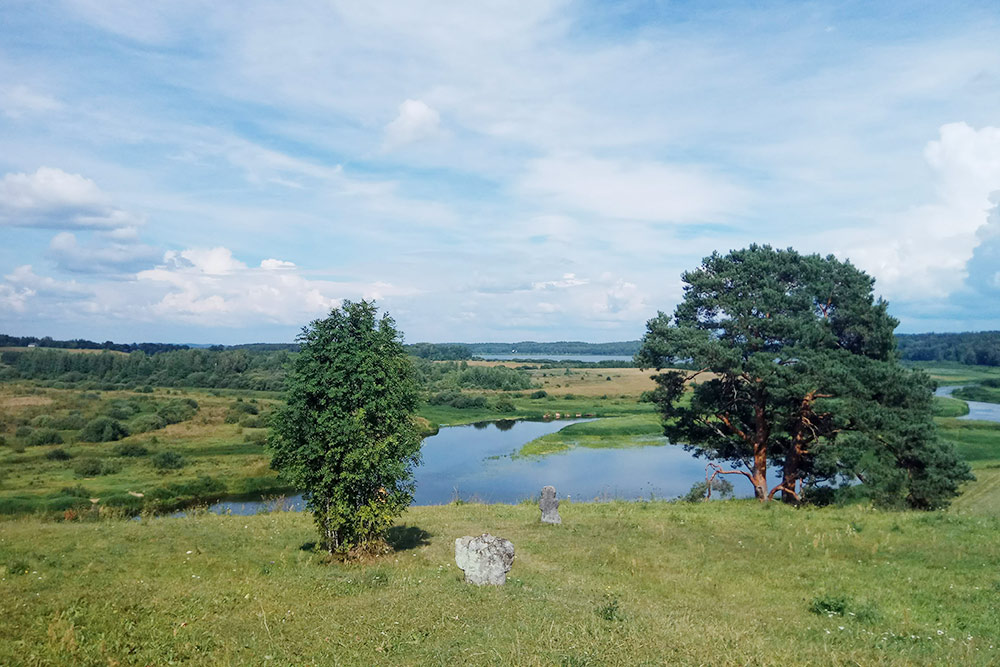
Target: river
point(474, 463)
point(977, 410)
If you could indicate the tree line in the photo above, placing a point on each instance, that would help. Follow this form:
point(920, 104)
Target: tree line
point(980, 348)
point(83, 344)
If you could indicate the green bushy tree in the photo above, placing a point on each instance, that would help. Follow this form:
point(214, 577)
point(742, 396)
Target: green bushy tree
point(796, 367)
point(346, 434)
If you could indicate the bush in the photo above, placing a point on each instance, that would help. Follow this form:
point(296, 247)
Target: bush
point(122, 410)
point(45, 436)
point(178, 410)
point(254, 421)
point(168, 461)
point(24, 432)
point(103, 429)
point(504, 404)
point(721, 488)
point(541, 393)
point(58, 454)
point(147, 422)
point(238, 410)
point(130, 449)
point(93, 467)
point(829, 605)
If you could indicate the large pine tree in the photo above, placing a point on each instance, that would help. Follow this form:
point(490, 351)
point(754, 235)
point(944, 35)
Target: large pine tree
point(795, 367)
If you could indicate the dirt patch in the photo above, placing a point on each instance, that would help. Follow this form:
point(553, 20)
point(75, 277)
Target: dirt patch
point(25, 401)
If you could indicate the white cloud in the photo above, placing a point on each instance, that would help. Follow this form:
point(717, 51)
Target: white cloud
point(416, 121)
point(276, 264)
point(627, 189)
point(20, 100)
point(53, 198)
point(211, 287)
point(22, 285)
point(217, 261)
point(119, 256)
point(921, 254)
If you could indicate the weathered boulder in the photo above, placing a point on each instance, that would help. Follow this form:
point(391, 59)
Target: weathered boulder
point(549, 505)
point(485, 559)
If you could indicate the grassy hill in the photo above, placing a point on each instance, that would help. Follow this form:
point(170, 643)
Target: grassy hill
point(617, 583)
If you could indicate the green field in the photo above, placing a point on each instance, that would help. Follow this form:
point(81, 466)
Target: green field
point(726, 583)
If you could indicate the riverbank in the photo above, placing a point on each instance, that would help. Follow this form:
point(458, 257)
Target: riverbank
point(617, 583)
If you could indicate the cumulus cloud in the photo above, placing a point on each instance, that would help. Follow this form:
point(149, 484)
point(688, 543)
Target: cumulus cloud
point(209, 286)
point(53, 198)
point(23, 285)
point(628, 189)
point(922, 254)
point(416, 121)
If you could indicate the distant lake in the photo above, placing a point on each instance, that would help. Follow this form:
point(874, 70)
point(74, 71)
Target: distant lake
point(556, 357)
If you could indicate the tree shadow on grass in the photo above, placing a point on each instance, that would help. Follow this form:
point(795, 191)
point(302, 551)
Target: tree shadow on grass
point(404, 537)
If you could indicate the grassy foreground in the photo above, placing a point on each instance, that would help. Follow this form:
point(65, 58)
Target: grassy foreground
point(617, 583)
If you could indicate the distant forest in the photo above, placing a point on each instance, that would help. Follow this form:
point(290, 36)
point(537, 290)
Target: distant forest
point(981, 348)
point(261, 366)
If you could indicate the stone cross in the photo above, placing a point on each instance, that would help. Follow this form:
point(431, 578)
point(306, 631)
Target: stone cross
point(549, 505)
point(485, 559)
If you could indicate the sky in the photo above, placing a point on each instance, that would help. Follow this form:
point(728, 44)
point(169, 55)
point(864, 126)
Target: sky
point(226, 172)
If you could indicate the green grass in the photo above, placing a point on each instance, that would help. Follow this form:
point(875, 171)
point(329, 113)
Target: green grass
point(617, 432)
point(725, 583)
point(31, 481)
point(978, 393)
point(975, 441)
point(950, 373)
point(950, 407)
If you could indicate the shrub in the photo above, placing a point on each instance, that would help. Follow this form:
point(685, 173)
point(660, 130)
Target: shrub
point(130, 449)
point(504, 404)
point(103, 429)
point(178, 410)
point(168, 461)
point(238, 409)
point(122, 410)
point(58, 454)
point(147, 422)
point(541, 393)
point(24, 431)
point(829, 605)
point(76, 491)
point(93, 467)
point(253, 421)
point(721, 488)
point(45, 436)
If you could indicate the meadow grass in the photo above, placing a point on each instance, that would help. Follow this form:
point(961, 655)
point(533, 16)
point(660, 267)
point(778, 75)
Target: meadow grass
point(613, 433)
point(978, 393)
point(950, 407)
point(951, 373)
point(722, 583)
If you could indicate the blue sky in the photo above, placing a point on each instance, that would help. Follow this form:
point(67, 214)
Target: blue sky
point(226, 172)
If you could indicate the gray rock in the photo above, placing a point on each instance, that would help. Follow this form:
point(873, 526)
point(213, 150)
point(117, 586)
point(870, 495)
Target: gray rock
point(549, 505)
point(485, 559)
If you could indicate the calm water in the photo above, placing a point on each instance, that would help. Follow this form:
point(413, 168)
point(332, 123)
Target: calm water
point(474, 463)
point(977, 410)
point(557, 357)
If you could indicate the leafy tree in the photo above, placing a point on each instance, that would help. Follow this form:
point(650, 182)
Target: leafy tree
point(346, 434)
point(798, 369)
